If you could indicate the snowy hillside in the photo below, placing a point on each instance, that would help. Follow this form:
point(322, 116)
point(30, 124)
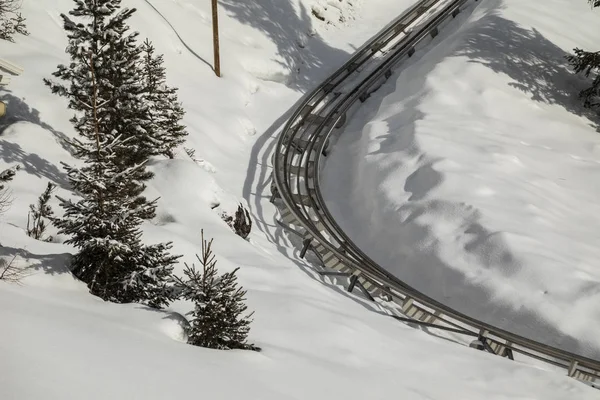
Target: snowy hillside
point(318, 342)
point(477, 172)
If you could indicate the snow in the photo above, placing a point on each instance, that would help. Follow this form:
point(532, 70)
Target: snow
point(318, 341)
point(476, 172)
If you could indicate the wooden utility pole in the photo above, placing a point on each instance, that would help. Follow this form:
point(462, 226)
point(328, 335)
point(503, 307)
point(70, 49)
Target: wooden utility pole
point(215, 23)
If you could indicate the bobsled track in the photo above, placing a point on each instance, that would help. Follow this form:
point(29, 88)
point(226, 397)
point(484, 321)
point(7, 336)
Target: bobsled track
point(297, 160)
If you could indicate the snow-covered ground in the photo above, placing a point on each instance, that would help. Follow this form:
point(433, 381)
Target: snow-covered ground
point(319, 342)
point(477, 172)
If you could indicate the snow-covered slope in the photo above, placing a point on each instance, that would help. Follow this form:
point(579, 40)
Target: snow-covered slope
point(477, 173)
point(59, 342)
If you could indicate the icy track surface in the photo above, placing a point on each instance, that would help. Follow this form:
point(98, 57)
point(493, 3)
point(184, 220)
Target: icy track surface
point(474, 177)
point(319, 342)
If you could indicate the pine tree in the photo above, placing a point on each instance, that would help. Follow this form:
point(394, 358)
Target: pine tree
point(217, 320)
point(588, 63)
point(104, 33)
point(105, 226)
point(105, 223)
point(112, 259)
point(132, 114)
point(233, 297)
point(38, 213)
point(166, 111)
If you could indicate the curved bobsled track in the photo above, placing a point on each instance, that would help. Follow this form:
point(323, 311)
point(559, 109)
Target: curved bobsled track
point(297, 159)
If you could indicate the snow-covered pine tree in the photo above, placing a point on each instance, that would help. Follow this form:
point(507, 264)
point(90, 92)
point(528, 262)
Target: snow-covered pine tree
point(166, 110)
point(102, 29)
point(588, 63)
point(217, 320)
point(105, 228)
point(132, 112)
point(105, 223)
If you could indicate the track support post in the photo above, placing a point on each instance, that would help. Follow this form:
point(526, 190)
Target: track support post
point(305, 246)
point(353, 280)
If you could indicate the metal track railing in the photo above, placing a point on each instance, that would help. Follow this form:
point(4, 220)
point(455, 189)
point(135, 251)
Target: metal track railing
point(297, 159)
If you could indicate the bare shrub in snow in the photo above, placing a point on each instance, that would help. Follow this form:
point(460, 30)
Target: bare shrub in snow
point(5, 201)
point(39, 213)
point(9, 272)
point(241, 224)
point(217, 320)
point(11, 20)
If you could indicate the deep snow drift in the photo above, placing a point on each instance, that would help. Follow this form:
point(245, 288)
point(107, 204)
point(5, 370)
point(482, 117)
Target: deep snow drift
point(318, 341)
point(477, 172)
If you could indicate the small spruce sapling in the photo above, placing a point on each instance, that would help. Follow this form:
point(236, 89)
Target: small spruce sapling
point(217, 320)
point(38, 213)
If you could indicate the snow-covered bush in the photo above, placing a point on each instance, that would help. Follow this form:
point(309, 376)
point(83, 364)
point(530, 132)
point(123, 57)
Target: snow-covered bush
point(241, 224)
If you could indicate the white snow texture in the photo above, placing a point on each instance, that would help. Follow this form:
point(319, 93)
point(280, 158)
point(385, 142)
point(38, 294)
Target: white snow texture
point(473, 171)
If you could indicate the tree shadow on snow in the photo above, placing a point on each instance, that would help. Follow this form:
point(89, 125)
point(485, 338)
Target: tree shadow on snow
point(18, 111)
point(53, 264)
point(174, 316)
point(13, 153)
point(536, 65)
point(288, 29)
point(284, 26)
